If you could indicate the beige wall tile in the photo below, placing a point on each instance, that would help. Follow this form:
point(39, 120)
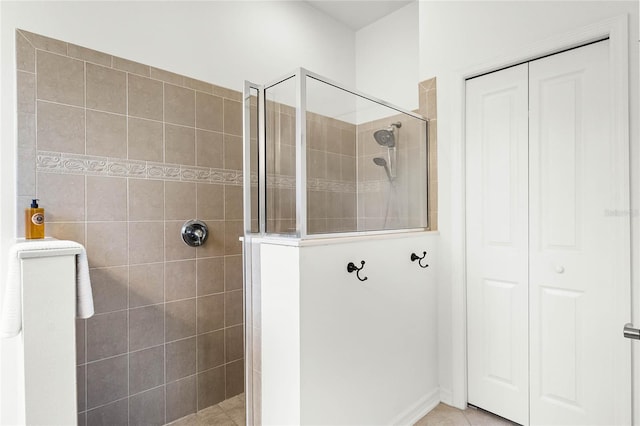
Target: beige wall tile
point(348, 142)
point(72, 231)
point(427, 84)
point(227, 93)
point(315, 134)
point(316, 164)
point(179, 280)
point(25, 54)
point(209, 112)
point(317, 204)
point(145, 140)
point(146, 199)
point(45, 43)
point(145, 97)
point(60, 128)
point(130, 66)
point(233, 202)
point(334, 166)
point(333, 139)
point(215, 242)
point(106, 89)
point(146, 242)
point(232, 152)
point(180, 200)
point(287, 130)
point(23, 202)
point(211, 201)
point(26, 154)
point(166, 76)
point(210, 275)
point(232, 232)
point(88, 55)
point(287, 160)
point(62, 197)
point(233, 270)
point(432, 106)
point(348, 168)
point(60, 79)
point(199, 85)
point(106, 134)
point(107, 244)
point(232, 117)
point(209, 149)
point(146, 284)
point(110, 288)
point(175, 248)
point(179, 144)
point(179, 105)
point(106, 198)
point(26, 85)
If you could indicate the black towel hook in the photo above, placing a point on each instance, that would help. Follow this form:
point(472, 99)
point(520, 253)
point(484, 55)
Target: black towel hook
point(352, 267)
point(415, 257)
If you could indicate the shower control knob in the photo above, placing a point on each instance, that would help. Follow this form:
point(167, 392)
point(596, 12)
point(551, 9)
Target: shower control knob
point(194, 233)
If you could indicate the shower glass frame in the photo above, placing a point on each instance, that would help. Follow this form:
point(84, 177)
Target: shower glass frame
point(301, 230)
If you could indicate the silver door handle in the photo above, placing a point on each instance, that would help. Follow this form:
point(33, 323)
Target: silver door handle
point(630, 332)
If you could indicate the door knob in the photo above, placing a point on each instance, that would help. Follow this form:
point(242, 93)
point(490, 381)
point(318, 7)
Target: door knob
point(630, 332)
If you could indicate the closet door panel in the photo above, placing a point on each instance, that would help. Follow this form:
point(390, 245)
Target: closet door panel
point(496, 181)
point(577, 307)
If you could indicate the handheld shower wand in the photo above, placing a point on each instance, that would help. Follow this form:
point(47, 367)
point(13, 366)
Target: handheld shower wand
point(379, 161)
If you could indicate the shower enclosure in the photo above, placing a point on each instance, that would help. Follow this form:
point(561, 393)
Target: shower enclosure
point(335, 178)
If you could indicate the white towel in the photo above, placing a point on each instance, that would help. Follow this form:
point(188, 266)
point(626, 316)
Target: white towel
point(11, 319)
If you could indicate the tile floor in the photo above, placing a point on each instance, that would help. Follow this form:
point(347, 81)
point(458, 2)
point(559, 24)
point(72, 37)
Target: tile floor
point(445, 415)
point(228, 413)
point(231, 413)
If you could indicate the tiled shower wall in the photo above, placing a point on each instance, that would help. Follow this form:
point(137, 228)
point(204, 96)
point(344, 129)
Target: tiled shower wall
point(331, 169)
point(331, 166)
point(428, 108)
point(120, 155)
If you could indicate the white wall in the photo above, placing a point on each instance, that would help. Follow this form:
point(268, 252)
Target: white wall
point(455, 37)
point(222, 42)
point(387, 58)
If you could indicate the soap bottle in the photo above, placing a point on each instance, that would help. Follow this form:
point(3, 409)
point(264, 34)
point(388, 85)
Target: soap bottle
point(34, 221)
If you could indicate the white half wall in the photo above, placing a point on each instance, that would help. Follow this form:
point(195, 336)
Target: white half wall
point(387, 58)
point(456, 37)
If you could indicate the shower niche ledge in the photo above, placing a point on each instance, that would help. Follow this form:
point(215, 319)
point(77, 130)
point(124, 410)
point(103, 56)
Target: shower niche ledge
point(334, 177)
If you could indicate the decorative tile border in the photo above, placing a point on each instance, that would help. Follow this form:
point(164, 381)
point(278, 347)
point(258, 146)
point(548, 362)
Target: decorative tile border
point(56, 162)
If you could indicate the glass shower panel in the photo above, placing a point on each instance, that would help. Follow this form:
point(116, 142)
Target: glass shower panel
point(253, 156)
point(280, 152)
point(366, 163)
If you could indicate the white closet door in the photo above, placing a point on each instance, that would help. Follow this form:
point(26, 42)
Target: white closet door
point(580, 364)
point(497, 262)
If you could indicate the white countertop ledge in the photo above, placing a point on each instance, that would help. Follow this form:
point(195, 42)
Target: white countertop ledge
point(321, 241)
point(27, 253)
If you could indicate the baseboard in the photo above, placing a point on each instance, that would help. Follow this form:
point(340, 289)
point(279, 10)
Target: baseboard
point(446, 396)
point(419, 409)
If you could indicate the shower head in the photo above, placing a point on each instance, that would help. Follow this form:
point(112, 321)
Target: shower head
point(386, 137)
point(383, 163)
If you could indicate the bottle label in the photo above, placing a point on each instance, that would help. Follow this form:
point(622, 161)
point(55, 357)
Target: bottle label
point(37, 219)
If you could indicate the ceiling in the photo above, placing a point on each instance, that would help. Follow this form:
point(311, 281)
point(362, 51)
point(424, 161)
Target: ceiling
point(357, 13)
